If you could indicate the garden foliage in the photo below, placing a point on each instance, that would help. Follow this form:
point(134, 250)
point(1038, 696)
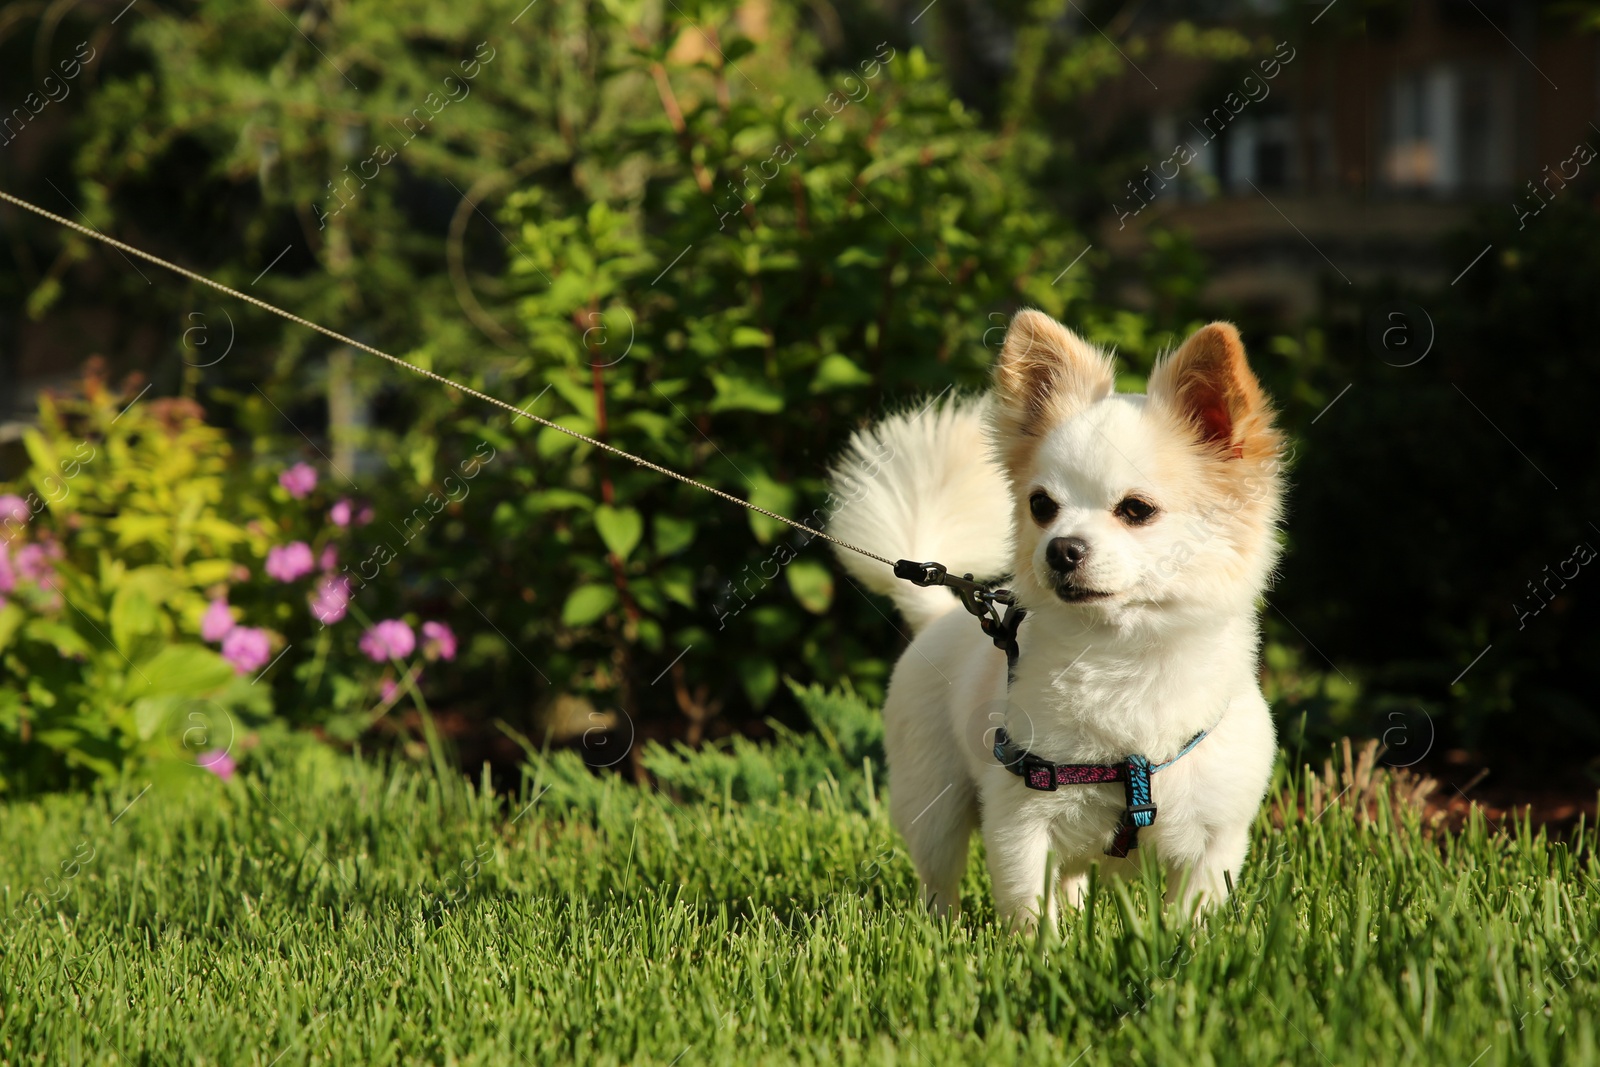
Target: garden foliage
point(717, 236)
point(666, 227)
point(149, 585)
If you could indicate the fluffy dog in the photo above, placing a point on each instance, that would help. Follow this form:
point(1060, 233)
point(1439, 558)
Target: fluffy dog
point(1139, 533)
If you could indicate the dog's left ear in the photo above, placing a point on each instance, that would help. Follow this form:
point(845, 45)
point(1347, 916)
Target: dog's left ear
point(1208, 385)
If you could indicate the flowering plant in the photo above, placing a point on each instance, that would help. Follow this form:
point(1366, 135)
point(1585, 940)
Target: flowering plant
point(149, 582)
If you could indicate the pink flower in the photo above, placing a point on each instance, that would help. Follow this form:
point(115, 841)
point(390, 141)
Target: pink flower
point(364, 516)
point(33, 561)
point(391, 638)
point(290, 561)
point(247, 648)
point(14, 509)
point(218, 762)
point(299, 480)
point(339, 514)
point(8, 577)
point(217, 621)
point(332, 599)
point(438, 641)
point(329, 559)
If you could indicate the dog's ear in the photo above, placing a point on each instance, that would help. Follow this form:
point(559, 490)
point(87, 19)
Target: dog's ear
point(1208, 385)
point(1045, 373)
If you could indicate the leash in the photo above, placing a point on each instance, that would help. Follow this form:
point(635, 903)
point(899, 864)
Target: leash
point(810, 531)
point(998, 612)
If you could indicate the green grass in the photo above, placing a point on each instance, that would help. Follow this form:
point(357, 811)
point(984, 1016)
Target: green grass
point(758, 909)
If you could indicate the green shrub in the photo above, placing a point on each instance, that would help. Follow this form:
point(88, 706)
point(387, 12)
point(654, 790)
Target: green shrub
point(728, 283)
point(148, 586)
point(692, 234)
point(120, 529)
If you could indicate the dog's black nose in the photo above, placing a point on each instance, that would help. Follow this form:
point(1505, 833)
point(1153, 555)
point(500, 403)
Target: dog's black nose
point(1065, 553)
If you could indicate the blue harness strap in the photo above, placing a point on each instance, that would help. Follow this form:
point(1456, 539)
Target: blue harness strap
point(1139, 812)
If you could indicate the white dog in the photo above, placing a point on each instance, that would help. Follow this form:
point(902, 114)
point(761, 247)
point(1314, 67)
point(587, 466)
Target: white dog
point(1139, 532)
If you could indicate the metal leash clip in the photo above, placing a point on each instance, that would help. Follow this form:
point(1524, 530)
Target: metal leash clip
point(985, 603)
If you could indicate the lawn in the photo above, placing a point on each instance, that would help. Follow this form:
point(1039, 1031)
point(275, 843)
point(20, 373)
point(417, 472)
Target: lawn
point(755, 907)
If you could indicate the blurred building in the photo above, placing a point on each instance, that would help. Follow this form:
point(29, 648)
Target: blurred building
point(1376, 138)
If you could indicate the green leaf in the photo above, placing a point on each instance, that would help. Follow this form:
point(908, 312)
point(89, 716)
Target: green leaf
point(62, 740)
point(579, 394)
point(587, 603)
point(678, 584)
point(656, 426)
point(811, 582)
point(11, 617)
point(647, 595)
point(150, 714)
point(10, 710)
point(775, 497)
point(838, 372)
point(63, 638)
point(859, 257)
point(740, 394)
point(204, 572)
point(673, 534)
point(749, 337)
point(42, 297)
point(620, 528)
point(41, 694)
point(558, 500)
point(133, 614)
point(552, 442)
point(650, 634)
point(181, 669)
point(759, 678)
point(774, 624)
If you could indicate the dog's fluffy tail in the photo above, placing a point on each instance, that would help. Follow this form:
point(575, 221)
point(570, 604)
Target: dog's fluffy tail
point(923, 486)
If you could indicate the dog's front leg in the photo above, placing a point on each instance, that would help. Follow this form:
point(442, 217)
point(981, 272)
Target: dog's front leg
point(1016, 840)
point(1203, 882)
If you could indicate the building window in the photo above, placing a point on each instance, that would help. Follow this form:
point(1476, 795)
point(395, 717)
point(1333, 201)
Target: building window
point(1447, 130)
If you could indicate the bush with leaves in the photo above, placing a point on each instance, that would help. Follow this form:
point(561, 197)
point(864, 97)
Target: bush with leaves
point(786, 266)
point(685, 229)
point(148, 583)
point(109, 542)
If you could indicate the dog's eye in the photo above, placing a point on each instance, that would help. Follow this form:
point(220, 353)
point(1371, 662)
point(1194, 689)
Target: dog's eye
point(1044, 509)
point(1134, 512)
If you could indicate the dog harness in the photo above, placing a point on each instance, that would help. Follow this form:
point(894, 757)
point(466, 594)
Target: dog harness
point(1134, 772)
point(1002, 626)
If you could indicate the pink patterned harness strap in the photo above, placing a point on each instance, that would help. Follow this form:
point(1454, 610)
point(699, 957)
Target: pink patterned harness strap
point(1076, 774)
point(1135, 772)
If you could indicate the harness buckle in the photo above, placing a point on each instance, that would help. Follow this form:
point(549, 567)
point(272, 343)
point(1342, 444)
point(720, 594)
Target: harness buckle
point(1038, 774)
point(1003, 755)
point(1140, 809)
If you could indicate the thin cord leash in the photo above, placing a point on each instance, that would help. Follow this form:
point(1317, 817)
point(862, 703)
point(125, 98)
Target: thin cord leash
point(441, 379)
